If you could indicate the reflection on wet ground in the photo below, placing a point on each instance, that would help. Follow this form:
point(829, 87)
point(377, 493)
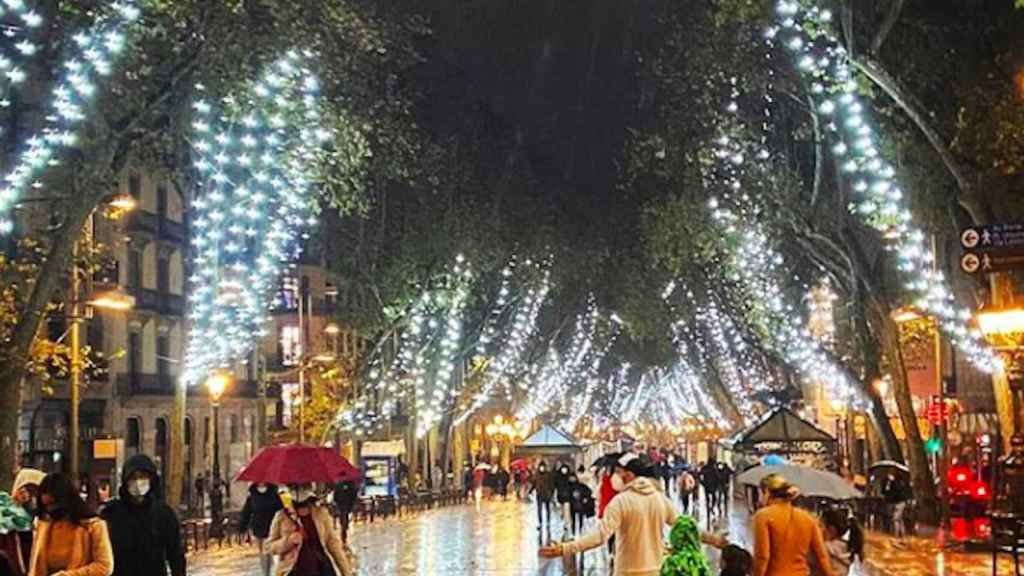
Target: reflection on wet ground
point(501, 538)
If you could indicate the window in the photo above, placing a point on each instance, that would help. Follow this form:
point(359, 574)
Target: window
point(163, 275)
point(94, 333)
point(288, 294)
point(163, 364)
point(134, 355)
point(132, 436)
point(161, 201)
point(290, 346)
point(135, 186)
point(134, 279)
point(235, 430)
point(160, 450)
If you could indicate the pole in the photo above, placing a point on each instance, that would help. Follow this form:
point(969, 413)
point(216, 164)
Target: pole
point(302, 369)
point(76, 360)
point(216, 493)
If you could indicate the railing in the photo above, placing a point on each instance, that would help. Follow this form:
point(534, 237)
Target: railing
point(164, 303)
point(145, 221)
point(148, 384)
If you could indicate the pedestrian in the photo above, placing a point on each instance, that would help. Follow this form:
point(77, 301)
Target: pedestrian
point(735, 561)
point(345, 495)
point(259, 510)
point(687, 486)
point(581, 503)
point(844, 540)
point(501, 481)
point(686, 557)
point(544, 486)
point(724, 482)
point(70, 540)
point(563, 494)
point(897, 494)
point(708, 478)
point(785, 535)
point(436, 477)
point(16, 545)
point(144, 530)
point(665, 470)
point(467, 478)
point(88, 492)
point(636, 517)
point(304, 539)
point(200, 494)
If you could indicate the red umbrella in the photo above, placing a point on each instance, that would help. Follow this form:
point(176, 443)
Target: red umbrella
point(298, 464)
point(521, 463)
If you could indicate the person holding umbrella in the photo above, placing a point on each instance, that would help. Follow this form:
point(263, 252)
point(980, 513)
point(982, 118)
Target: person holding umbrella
point(304, 539)
point(261, 506)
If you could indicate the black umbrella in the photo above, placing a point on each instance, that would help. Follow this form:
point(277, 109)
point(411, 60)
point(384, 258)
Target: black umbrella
point(607, 461)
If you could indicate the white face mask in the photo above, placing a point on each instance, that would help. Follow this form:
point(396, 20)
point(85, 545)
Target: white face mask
point(262, 489)
point(139, 487)
point(617, 483)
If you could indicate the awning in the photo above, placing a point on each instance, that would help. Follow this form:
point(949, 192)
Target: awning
point(784, 426)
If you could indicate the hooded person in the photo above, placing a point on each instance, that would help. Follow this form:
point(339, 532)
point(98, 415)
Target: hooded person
point(144, 530)
point(258, 512)
point(16, 543)
point(686, 557)
point(636, 517)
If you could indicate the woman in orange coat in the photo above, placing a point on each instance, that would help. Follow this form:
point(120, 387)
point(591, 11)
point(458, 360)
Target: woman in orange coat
point(70, 540)
point(784, 535)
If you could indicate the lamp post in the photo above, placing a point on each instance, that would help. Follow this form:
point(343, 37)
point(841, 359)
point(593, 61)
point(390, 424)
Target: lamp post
point(216, 384)
point(110, 301)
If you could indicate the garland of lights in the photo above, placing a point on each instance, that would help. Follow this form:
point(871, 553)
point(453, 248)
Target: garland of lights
point(823, 61)
point(510, 356)
point(256, 161)
point(96, 51)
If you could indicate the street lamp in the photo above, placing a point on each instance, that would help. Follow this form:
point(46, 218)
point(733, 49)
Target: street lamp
point(216, 384)
point(111, 300)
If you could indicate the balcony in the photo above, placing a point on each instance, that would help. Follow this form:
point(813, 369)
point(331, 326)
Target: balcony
point(171, 231)
point(161, 303)
point(145, 384)
point(141, 221)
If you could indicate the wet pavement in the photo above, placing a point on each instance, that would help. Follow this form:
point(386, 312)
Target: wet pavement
point(501, 538)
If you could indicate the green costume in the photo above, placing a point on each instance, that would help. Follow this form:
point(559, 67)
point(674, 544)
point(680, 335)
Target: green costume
point(686, 557)
point(13, 518)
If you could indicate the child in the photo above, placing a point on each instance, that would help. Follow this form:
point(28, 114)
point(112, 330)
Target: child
point(736, 561)
point(844, 539)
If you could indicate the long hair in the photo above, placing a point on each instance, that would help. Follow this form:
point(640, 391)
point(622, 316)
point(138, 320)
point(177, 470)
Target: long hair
point(841, 522)
point(65, 495)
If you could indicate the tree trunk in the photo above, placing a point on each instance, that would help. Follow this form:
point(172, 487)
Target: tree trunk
point(920, 473)
point(18, 351)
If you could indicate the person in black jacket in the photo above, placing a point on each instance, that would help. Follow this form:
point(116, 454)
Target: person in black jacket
point(144, 530)
point(581, 504)
point(563, 492)
point(260, 507)
point(345, 495)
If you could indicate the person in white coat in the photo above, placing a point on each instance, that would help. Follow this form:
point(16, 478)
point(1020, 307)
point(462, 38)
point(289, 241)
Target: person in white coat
point(637, 517)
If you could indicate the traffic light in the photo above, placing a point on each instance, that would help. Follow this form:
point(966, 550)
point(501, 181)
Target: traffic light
point(933, 445)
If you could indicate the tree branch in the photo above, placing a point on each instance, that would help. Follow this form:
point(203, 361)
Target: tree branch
point(892, 15)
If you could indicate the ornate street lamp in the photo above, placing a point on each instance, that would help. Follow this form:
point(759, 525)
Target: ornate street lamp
point(216, 384)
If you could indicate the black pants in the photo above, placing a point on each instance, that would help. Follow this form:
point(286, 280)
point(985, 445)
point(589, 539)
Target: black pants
point(577, 522)
point(684, 499)
point(543, 506)
point(344, 516)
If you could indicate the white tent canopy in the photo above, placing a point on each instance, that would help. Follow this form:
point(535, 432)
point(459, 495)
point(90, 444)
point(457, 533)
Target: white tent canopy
point(548, 440)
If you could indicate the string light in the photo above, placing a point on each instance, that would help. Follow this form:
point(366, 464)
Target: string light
point(95, 52)
point(823, 61)
point(257, 161)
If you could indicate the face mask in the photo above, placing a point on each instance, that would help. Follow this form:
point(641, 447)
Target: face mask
point(262, 489)
point(543, 469)
point(139, 488)
point(617, 483)
point(565, 470)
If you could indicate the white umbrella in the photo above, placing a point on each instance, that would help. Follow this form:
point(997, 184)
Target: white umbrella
point(809, 481)
point(889, 464)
